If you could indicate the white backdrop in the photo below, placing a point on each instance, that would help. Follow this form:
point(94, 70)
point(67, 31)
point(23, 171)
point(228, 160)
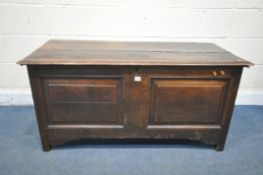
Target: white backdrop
point(236, 25)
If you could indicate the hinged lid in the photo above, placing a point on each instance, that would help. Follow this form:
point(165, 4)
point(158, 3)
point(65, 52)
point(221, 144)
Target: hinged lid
point(70, 52)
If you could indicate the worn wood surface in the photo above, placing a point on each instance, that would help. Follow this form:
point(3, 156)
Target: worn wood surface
point(102, 102)
point(67, 52)
point(87, 90)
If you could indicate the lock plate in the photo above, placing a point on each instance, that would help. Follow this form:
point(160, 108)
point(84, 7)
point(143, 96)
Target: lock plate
point(137, 78)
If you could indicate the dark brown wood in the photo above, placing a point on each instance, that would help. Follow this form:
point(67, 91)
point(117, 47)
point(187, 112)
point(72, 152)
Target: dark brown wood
point(81, 100)
point(133, 100)
point(66, 52)
point(40, 108)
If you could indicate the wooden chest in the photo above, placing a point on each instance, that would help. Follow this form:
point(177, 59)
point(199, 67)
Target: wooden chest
point(133, 90)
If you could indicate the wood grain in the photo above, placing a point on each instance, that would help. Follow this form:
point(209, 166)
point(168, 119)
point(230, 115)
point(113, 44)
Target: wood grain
point(87, 90)
point(59, 52)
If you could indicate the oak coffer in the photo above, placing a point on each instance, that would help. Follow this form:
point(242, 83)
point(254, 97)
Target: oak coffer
point(133, 90)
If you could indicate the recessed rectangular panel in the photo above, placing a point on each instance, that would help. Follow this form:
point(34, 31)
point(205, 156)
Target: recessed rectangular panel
point(89, 92)
point(85, 100)
point(187, 101)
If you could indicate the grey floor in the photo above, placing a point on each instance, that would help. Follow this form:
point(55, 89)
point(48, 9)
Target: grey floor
point(21, 154)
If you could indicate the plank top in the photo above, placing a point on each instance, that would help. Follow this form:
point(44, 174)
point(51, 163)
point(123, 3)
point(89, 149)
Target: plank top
point(72, 52)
